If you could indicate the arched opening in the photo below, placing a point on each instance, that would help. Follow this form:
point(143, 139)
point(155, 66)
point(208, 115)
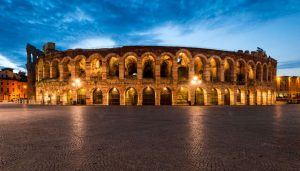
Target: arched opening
point(199, 96)
point(97, 96)
point(182, 96)
point(130, 67)
point(96, 68)
point(228, 70)
point(66, 69)
point(214, 97)
point(114, 96)
point(80, 68)
point(227, 97)
point(214, 70)
point(250, 73)
point(265, 73)
point(165, 96)
point(166, 67)
point(238, 96)
point(55, 70)
point(183, 63)
point(258, 72)
point(199, 67)
point(47, 70)
point(113, 67)
point(131, 97)
point(240, 72)
point(148, 67)
point(148, 96)
point(81, 96)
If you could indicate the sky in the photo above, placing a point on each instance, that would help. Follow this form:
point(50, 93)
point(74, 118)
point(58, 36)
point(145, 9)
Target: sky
point(273, 25)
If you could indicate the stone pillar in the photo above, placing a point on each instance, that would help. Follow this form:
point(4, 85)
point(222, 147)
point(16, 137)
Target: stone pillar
point(121, 70)
point(221, 72)
point(175, 71)
point(207, 72)
point(192, 94)
point(191, 70)
point(140, 96)
point(88, 70)
point(122, 96)
point(74, 96)
point(174, 97)
point(139, 70)
point(104, 70)
point(157, 71)
point(221, 97)
point(157, 97)
point(208, 97)
point(105, 96)
point(234, 96)
point(89, 95)
point(61, 72)
point(73, 71)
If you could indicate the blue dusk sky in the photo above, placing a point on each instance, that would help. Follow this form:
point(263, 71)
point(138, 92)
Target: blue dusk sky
point(220, 24)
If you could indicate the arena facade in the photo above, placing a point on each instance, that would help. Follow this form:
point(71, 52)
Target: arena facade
point(150, 75)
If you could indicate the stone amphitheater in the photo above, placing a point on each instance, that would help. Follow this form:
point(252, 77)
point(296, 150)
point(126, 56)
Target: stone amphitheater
point(150, 75)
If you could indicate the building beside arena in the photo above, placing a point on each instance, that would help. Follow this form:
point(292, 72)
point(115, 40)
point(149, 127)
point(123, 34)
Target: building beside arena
point(150, 75)
point(13, 86)
point(288, 89)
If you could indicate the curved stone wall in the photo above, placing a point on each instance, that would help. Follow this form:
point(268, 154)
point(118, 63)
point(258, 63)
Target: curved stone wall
point(153, 75)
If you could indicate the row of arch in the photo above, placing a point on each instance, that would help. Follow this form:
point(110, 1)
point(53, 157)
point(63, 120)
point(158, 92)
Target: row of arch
point(182, 66)
point(214, 96)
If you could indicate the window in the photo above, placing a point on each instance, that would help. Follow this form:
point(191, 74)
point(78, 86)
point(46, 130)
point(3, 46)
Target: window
point(1, 89)
point(7, 90)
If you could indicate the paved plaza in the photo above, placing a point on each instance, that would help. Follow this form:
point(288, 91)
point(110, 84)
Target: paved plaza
point(149, 137)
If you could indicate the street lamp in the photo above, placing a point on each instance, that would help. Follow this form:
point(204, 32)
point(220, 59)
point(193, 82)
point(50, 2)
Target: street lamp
point(76, 83)
point(196, 81)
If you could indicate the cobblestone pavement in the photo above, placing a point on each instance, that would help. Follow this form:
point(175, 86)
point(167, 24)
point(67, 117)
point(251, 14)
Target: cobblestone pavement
point(149, 138)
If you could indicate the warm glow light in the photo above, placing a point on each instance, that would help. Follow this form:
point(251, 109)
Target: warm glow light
point(77, 80)
point(73, 84)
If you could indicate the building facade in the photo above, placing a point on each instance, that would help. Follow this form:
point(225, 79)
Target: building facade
point(150, 75)
point(288, 89)
point(13, 86)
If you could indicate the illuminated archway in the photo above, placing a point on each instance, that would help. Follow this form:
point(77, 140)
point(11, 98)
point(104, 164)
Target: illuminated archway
point(214, 69)
point(81, 96)
point(114, 96)
point(182, 96)
point(165, 96)
point(214, 97)
point(80, 67)
point(130, 67)
point(183, 63)
point(96, 68)
point(97, 96)
point(227, 97)
point(54, 69)
point(228, 70)
point(131, 97)
point(166, 64)
point(199, 96)
point(113, 67)
point(148, 96)
point(199, 67)
point(240, 72)
point(66, 69)
point(47, 70)
point(148, 67)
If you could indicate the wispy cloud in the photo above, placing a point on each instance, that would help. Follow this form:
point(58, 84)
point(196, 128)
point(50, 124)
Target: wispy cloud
point(5, 62)
point(93, 43)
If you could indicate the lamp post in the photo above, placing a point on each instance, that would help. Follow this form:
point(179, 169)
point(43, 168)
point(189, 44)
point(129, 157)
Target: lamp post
point(76, 83)
point(195, 82)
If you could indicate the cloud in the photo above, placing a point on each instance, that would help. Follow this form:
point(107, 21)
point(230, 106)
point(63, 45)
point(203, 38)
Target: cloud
point(77, 16)
point(93, 43)
point(6, 63)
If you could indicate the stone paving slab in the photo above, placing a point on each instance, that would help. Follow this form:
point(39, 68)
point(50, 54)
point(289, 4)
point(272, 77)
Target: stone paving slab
point(149, 137)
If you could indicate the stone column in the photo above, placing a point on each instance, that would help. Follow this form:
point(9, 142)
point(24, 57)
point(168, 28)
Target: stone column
point(104, 70)
point(175, 71)
point(140, 96)
point(105, 96)
point(221, 97)
point(89, 95)
point(157, 71)
point(208, 97)
point(207, 72)
point(192, 90)
point(157, 97)
point(139, 70)
point(122, 96)
point(61, 72)
point(191, 70)
point(221, 72)
point(121, 70)
point(88, 70)
point(174, 97)
point(73, 71)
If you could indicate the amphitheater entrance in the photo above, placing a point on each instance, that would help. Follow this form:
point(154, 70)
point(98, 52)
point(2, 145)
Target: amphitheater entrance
point(148, 96)
point(97, 96)
point(214, 97)
point(165, 96)
point(199, 97)
point(182, 96)
point(227, 97)
point(81, 96)
point(131, 97)
point(114, 96)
